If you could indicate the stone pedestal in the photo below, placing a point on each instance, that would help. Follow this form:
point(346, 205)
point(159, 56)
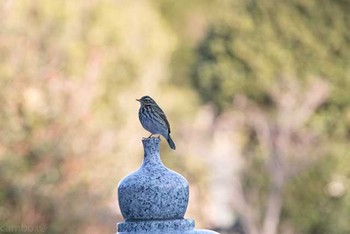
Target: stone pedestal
point(154, 199)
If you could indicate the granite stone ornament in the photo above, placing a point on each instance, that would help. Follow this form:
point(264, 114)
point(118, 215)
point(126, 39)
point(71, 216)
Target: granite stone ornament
point(154, 199)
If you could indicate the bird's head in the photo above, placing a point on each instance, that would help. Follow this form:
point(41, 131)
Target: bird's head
point(146, 101)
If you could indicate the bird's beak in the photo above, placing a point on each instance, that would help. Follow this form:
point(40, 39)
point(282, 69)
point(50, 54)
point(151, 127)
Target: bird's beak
point(138, 100)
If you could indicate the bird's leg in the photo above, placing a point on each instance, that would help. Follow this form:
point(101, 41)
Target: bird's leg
point(150, 135)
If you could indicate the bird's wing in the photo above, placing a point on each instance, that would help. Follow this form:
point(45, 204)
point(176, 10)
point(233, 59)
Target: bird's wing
point(162, 115)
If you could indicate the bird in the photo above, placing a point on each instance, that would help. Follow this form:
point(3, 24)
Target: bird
point(154, 120)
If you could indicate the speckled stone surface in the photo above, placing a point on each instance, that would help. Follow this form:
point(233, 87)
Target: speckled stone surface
point(194, 231)
point(153, 191)
point(154, 199)
point(164, 226)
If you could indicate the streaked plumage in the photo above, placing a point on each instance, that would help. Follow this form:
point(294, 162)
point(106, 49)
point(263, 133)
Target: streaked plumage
point(153, 119)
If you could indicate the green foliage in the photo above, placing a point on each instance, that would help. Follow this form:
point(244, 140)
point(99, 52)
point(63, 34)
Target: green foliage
point(250, 47)
point(65, 68)
point(254, 43)
point(310, 204)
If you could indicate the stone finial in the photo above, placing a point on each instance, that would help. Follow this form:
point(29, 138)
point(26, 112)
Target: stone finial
point(154, 199)
point(153, 191)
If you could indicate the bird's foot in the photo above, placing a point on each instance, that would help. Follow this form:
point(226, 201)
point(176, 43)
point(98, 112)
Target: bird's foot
point(154, 136)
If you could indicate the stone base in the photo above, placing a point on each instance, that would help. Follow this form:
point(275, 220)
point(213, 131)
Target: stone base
point(176, 226)
point(154, 226)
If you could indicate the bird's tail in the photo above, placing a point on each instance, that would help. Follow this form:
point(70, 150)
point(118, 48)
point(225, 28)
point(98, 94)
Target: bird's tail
point(170, 142)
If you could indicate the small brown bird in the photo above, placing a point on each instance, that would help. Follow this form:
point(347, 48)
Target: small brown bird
point(154, 120)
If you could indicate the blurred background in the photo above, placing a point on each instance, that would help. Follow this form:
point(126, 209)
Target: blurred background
point(257, 93)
